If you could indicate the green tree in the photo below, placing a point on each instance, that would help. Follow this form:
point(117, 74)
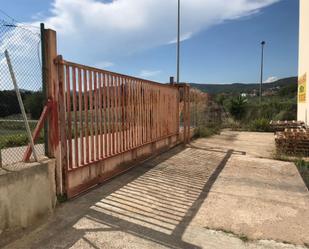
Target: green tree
point(34, 104)
point(238, 107)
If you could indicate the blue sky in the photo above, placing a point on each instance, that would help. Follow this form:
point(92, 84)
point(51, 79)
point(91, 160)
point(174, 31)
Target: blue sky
point(220, 38)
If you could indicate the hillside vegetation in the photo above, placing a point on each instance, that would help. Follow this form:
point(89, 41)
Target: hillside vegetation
point(241, 102)
point(236, 88)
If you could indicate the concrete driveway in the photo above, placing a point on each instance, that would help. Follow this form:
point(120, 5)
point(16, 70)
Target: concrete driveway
point(210, 194)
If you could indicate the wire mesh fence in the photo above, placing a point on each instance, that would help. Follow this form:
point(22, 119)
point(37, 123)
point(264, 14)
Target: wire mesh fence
point(23, 44)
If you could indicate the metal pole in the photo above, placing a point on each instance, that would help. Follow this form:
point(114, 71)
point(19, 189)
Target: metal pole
point(262, 68)
point(44, 88)
point(21, 105)
point(178, 42)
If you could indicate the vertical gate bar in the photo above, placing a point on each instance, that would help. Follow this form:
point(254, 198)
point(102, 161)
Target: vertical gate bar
point(134, 113)
point(91, 115)
point(86, 107)
point(110, 117)
point(118, 115)
point(150, 112)
point(142, 111)
point(113, 114)
point(105, 115)
point(111, 121)
point(161, 113)
point(131, 114)
point(184, 114)
point(62, 126)
point(100, 106)
point(138, 92)
point(81, 124)
point(143, 116)
point(140, 96)
point(155, 112)
point(128, 112)
point(142, 105)
point(177, 110)
point(124, 147)
point(75, 117)
point(69, 116)
point(189, 114)
point(96, 137)
point(146, 111)
point(114, 99)
point(126, 90)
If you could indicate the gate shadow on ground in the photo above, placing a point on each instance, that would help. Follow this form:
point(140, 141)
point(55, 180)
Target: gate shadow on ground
point(154, 202)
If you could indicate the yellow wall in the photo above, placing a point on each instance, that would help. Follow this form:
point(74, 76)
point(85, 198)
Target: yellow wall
point(303, 106)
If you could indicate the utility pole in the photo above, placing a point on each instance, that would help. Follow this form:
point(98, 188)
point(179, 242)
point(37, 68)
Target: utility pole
point(178, 42)
point(262, 69)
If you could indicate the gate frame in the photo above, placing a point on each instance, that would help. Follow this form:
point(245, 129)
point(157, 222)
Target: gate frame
point(53, 77)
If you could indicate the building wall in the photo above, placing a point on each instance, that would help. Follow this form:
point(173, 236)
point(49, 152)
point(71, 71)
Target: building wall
point(303, 105)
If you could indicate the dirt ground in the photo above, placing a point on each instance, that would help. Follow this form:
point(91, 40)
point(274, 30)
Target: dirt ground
point(220, 192)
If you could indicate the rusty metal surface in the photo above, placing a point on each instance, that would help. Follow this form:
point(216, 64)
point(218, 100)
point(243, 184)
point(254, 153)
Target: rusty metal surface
point(105, 114)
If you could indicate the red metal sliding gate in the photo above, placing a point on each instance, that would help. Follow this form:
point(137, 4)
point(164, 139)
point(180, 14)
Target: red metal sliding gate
point(99, 116)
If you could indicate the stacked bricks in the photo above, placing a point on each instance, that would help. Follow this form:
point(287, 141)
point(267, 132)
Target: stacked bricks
point(282, 125)
point(293, 142)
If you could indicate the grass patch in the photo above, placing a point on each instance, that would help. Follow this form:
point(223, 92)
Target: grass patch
point(206, 131)
point(242, 237)
point(62, 198)
point(303, 168)
point(260, 125)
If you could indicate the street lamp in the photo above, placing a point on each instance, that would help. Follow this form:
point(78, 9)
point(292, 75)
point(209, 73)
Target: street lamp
point(262, 68)
point(178, 42)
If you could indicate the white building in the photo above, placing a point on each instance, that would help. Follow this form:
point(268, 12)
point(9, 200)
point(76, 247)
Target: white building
point(303, 71)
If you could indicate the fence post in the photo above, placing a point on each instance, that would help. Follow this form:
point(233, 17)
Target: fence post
point(50, 72)
point(186, 113)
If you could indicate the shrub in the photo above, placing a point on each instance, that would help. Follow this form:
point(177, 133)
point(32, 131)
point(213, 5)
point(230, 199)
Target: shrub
point(34, 104)
point(261, 125)
point(204, 131)
point(238, 107)
point(303, 168)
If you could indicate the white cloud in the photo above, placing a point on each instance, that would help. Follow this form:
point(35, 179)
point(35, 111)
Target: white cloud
point(149, 73)
point(92, 30)
point(271, 79)
point(104, 64)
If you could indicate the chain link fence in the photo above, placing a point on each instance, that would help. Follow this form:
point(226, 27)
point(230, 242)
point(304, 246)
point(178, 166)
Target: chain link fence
point(23, 44)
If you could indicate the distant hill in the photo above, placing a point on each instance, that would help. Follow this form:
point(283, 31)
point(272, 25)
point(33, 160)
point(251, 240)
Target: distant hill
point(237, 88)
